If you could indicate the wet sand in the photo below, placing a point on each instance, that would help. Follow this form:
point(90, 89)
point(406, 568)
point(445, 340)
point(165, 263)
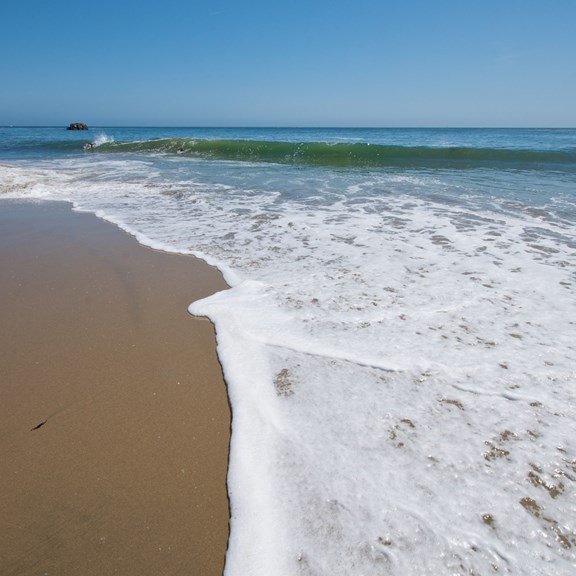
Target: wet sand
point(114, 419)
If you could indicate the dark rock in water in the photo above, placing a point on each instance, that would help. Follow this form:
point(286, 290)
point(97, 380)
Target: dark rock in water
point(77, 126)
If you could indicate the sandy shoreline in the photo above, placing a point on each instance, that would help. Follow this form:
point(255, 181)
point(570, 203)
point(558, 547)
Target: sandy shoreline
point(114, 420)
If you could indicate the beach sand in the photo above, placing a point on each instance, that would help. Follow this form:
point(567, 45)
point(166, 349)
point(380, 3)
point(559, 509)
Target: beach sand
point(114, 419)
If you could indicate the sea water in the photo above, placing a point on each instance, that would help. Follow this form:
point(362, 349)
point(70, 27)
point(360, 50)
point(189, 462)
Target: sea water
point(399, 338)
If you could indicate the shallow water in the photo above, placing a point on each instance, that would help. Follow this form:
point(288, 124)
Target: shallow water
point(398, 341)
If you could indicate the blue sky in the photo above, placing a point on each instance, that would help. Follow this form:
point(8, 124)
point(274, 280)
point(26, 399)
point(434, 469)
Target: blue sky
point(297, 63)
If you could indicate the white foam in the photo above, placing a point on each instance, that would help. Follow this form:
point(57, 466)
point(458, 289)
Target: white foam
point(399, 357)
point(102, 138)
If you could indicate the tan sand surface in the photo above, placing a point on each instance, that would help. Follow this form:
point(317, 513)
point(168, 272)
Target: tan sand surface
point(114, 419)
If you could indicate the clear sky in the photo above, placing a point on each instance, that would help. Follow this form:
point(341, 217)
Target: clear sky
point(291, 63)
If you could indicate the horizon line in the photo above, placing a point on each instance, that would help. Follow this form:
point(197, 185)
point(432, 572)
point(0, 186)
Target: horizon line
point(307, 127)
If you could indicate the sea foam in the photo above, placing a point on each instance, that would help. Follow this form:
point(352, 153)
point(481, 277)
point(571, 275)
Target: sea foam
point(398, 349)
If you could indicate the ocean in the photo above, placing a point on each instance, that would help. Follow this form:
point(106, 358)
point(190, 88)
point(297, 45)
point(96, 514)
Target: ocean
point(399, 338)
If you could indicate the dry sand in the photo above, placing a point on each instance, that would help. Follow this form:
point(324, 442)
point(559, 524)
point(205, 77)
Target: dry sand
point(114, 419)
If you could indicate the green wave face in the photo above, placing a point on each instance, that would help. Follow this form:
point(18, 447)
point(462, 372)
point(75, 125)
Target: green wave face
point(346, 154)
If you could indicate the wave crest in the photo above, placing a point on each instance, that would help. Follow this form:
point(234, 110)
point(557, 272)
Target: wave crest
point(347, 154)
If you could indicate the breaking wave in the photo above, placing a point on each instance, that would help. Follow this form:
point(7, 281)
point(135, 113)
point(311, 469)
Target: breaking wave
point(349, 154)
